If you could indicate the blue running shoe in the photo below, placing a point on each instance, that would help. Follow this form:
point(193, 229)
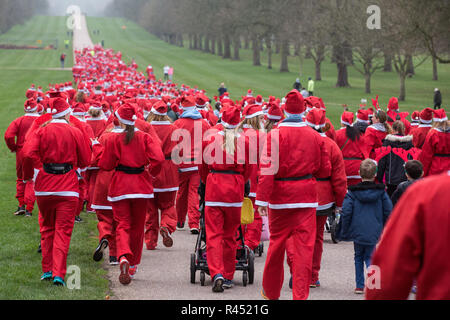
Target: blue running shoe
point(48, 276)
point(218, 283)
point(227, 284)
point(58, 281)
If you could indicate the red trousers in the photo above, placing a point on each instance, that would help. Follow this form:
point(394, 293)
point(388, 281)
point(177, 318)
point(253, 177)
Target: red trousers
point(83, 193)
point(252, 232)
point(187, 199)
point(318, 247)
point(56, 220)
point(292, 230)
point(29, 198)
point(91, 176)
point(221, 225)
point(20, 185)
point(129, 215)
point(107, 229)
point(164, 202)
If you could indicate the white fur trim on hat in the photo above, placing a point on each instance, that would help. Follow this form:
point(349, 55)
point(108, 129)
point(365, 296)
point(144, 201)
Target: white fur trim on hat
point(347, 124)
point(158, 113)
point(440, 120)
point(28, 109)
point(126, 122)
point(316, 126)
point(250, 116)
point(228, 126)
point(271, 117)
point(61, 114)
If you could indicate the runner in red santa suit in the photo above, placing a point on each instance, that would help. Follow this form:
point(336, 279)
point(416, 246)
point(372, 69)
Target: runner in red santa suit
point(330, 189)
point(129, 153)
point(415, 120)
point(376, 133)
point(287, 192)
point(350, 140)
point(251, 127)
point(394, 114)
point(60, 147)
point(193, 128)
point(165, 183)
point(425, 125)
point(414, 246)
point(225, 170)
point(315, 102)
point(15, 139)
point(435, 155)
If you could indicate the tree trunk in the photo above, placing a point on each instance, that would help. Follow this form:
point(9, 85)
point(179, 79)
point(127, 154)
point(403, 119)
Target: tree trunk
point(200, 42)
point(220, 47)
point(256, 51)
point(227, 47)
point(191, 46)
point(308, 54)
point(297, 49)
point(387, 62)
point(318, 64)
point(367, 77)
point(402, 96)
point(237, 44)
point(284, 56)
point(246, 42)
point(277, 46)
point(410, 67)
point(213, 45)
point(195, 42)
point(342, 81)
point(269, 52)
point(206, 46)
point(181, 40)
point(435, 70)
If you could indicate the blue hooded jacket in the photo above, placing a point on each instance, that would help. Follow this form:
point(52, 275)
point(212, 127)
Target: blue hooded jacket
point(365, 212)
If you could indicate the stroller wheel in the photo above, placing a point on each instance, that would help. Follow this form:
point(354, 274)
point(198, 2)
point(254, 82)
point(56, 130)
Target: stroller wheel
point(251, 267)
point(245, 278)
point(193, 268)
point(333, 232)
point(202, 279)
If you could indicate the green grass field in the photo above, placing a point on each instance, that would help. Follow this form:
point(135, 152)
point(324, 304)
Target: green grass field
point(19, 237)
point(208, 71)
point(20, 264)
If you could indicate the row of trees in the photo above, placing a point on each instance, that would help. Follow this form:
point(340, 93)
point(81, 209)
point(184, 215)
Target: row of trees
point(14, 12)
point(390, 36)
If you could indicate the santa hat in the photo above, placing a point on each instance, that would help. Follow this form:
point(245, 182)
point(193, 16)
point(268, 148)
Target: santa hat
point(231, 117)
point(316, 118)
point(188, 103)
point(347, 118)
point(259, 100)
point(295, 103)
point(79, 109)
point(249, 93)
point(30, 106)
point(440, 115)
point(415, 116)
point(201, 101)
point(126, 114)
point(363, 116)
point(275, 113)
point(59, 107)
point(40, 109)
point(96, 106)
point(426, 116)
point(252, 111)
point(159, 108)
point(393, 104)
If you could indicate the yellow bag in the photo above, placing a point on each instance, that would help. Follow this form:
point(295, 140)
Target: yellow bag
point(247, 212)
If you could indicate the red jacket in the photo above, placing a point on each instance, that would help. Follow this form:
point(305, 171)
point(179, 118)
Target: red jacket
point(373, 138)
point(56, 143)
point(420, 134)
point(415, 245)
point(225, 190)
point(354, 152)
point(17, 130)
point(332, 191)
point(254, 137)
point(331, 133)
point(167, 179)
point(299, 152)
point(435, 155)
point(191, 139)
point(140, 152)
point(98, 125)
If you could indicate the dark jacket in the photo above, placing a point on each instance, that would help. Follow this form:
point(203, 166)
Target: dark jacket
point(222, 91)
point(361, 126)
point(391, 166)
point(437, 98)
point(365, 212)
point(401, 189)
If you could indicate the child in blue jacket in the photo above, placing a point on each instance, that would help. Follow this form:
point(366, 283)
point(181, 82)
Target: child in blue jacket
point(364, 214)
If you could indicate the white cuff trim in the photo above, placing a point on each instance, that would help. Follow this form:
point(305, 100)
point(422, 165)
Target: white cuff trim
point(261, 203)
point(166, 190)
point(131, 196)
point(57, 193)
point(293, 205)
point(223, 204)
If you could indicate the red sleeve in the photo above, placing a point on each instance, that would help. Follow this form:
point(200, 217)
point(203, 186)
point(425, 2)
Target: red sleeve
point(11, 134)
point(426, 156)
point(338, 175)
point(83, 149)
point(31, 154)
point(324, 166)
point(110, 157)
point(268, 169)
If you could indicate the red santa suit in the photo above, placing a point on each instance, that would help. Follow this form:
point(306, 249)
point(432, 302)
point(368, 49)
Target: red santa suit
point(225, 176)
point(354, 152)
point(15, 138)
point(165, 186)
point(131, 186)
point(60, 147)
point(373, 138)
point(412, 246)
point(290, 193)
point(435, 155)
point(331, 190)
point(420, 133)
point(194, 128)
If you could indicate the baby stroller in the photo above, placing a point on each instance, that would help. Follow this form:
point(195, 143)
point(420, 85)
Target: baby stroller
point(244, 256)
point(331, 225)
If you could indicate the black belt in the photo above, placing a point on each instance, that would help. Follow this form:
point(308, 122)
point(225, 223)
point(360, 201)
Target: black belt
point(226, 172)
point(353, 159)
point(442, 155)
point(324, 179)
point(57, 168)
point(169, 158)
point(309, 176)
point(130, 170)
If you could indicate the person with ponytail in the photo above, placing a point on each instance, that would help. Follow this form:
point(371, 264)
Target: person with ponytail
point(274, 116)
point(350, 140)
point(376, 133)
point(224, 174)
point(135, 157)
point(435, 155)
point(165, 183)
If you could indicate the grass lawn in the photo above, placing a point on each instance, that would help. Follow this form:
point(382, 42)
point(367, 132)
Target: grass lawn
point(20, 264)
point(208, 71)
